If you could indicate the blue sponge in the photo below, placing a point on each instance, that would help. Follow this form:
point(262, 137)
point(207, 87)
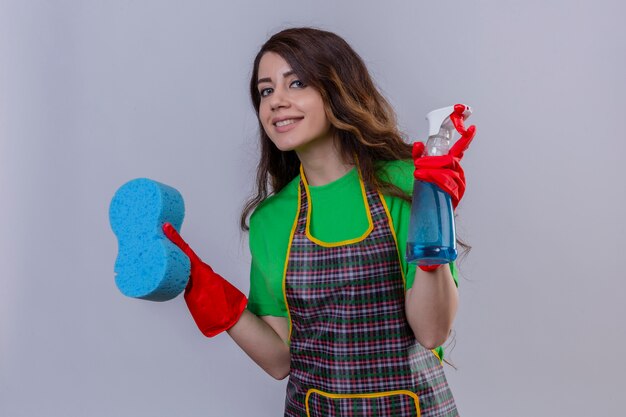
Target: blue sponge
point(148, 265)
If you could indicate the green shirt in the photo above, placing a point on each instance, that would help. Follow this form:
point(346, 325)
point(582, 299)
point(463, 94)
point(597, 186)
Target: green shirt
point(338, 214)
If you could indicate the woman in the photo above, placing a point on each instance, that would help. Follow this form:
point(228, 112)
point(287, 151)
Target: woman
point(333, 303)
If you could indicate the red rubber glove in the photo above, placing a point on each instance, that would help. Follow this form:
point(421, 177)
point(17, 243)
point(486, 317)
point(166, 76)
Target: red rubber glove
point(445, 171)
point(214, 303)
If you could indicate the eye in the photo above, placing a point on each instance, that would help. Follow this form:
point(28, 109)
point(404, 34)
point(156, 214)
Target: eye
point(297, 84)
point(266, 91)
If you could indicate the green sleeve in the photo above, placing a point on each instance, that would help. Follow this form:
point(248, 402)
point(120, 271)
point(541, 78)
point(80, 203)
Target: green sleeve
point(263, 299)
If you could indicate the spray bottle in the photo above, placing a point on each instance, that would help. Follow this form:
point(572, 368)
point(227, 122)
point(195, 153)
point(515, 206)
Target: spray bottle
point(431, 239)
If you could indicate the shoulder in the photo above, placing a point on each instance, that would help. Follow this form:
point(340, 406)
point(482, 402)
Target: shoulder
point(275, 209)
point(398, 173)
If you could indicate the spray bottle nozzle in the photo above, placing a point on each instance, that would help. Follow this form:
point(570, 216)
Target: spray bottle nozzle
point(439, 119)
point(440, 129)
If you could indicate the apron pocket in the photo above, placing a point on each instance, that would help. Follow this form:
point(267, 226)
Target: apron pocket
point(401, 403)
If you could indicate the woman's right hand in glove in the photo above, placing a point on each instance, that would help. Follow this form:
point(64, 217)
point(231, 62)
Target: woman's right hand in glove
point(214, 303)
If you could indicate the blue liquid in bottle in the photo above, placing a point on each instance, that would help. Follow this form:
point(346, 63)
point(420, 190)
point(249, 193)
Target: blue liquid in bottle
point(431, 238)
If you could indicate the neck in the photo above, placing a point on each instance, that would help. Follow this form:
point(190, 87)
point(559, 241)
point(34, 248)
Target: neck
point(323, 164)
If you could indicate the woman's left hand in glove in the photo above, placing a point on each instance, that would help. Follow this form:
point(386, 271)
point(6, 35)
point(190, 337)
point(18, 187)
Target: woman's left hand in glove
point(445, 171)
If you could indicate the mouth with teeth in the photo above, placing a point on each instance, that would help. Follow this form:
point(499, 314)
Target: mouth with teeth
point(286, 124)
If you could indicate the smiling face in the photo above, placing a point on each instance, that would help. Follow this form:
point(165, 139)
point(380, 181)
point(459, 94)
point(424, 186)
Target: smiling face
point(292, 113)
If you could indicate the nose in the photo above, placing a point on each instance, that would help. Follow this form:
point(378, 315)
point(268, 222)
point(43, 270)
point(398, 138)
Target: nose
point(278, 99)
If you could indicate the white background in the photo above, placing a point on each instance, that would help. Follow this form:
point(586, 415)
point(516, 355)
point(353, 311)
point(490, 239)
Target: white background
point(94, 93)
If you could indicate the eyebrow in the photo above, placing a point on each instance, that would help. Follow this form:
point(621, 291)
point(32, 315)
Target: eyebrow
point(269, 80)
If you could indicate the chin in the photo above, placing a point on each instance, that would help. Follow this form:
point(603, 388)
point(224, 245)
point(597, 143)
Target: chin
point(284, 147)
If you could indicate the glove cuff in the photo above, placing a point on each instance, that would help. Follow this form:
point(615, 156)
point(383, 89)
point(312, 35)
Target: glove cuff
point(428, 268)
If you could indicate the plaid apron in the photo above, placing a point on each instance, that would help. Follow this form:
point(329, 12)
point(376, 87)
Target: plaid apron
point(352, 350)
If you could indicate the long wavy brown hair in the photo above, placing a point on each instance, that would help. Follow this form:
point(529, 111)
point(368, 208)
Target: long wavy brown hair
point(362, 120)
